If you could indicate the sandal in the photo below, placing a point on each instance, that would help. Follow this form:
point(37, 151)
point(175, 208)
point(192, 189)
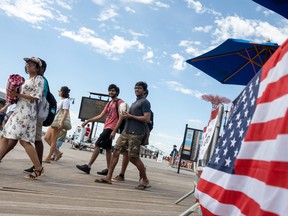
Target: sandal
point(58, 157)
point(35, 174)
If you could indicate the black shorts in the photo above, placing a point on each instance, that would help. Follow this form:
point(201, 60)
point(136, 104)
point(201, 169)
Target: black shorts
point(104, 140)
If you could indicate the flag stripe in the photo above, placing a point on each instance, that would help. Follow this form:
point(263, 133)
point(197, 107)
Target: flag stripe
point(267, 130)
point(275, 60)
point(274, 73)
point(239, 199)
point(271, 172)
point(206, 212)
point(253, 188)
point(266, 150)
point(268, 111)
point(216, 208)
point(274, 90)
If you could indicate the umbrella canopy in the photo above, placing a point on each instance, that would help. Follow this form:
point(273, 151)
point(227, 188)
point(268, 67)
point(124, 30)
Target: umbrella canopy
point(235, 61)
point(279, 6)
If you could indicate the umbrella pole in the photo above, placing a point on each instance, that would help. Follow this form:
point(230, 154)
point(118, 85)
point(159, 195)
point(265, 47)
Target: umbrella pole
point(251, 60)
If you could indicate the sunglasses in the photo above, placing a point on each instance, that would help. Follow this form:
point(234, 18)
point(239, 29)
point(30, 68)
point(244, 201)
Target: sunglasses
point(31, 64)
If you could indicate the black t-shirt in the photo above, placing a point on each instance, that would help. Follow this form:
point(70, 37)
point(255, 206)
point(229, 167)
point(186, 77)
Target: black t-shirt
point(138, 108)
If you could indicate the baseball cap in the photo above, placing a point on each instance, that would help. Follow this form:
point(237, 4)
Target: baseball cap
point(34, 59)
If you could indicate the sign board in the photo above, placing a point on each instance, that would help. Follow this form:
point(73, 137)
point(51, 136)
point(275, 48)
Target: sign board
point(191, 143)
point(91, 107)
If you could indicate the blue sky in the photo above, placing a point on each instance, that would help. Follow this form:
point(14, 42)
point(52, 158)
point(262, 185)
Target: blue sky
point(90, 44)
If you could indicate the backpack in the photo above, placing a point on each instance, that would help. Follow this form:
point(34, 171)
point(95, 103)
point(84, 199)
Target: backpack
point(52, 107)
point(121, 127)
point(43, 109)
point(151, 123)
point(149, 127)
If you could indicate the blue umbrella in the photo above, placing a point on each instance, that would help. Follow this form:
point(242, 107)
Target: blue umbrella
point(235, 61)
point(279, 6)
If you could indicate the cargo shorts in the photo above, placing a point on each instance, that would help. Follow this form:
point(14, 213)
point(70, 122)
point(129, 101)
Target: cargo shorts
point(129, 142)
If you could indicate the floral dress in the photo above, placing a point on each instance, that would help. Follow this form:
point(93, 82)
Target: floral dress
point(22, 123)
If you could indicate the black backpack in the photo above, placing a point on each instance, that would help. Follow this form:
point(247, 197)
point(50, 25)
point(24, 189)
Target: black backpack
point(52, 107)
point(151, 123)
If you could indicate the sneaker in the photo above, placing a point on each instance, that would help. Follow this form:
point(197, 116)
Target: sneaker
point(103, 172)
point(85, 168)
point(118, 178)
point(29, 170)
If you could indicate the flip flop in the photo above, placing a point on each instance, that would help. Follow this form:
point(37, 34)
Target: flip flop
point(44, 161)
point(142, 187)
point(58, 157)
point(103, 181)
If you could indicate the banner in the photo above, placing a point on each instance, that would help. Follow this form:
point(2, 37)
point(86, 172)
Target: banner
point(191, 143)
point(208, 135)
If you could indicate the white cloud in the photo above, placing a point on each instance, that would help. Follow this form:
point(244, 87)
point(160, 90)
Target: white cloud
point(205, 29)
point(162, 5)
point(63, 4)
point(192, 47)
point(130, 10)
point(176, 86)
point(136, 34)
point(196, 5)
point(99, 2)
point(138, 1)
point(179, 62)
point(34, 12)
point(199, 8)
point(148, 56)
point(107, 14)
point(116, 45)
point(30, 11)
point(237, 27)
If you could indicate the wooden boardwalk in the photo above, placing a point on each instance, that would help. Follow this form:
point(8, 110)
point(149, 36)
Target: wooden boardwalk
point(64, 190)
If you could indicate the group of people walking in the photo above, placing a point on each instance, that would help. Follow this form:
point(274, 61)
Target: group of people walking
point(136, 131)
point(24, 126)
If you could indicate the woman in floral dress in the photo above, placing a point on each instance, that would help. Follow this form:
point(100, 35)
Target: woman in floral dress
point(21, 126)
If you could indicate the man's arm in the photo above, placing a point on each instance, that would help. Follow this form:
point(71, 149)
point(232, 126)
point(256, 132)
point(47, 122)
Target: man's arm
point(112, 135)
point(95, 118)
point(145, 118)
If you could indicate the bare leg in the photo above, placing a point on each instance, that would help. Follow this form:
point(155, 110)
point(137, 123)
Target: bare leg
point(94, 155)
point(140, 166)
point(108, 157)
point(30, 150)
point(125, 162)
point(48, 136)
point(6, 145)
point(113, 163)
point(39, 149)
point(55, 135)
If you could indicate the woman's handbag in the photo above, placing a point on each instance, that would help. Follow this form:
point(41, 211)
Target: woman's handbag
point(59, 115)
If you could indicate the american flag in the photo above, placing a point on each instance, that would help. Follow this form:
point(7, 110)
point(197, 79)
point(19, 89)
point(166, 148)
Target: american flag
point(248, 171)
